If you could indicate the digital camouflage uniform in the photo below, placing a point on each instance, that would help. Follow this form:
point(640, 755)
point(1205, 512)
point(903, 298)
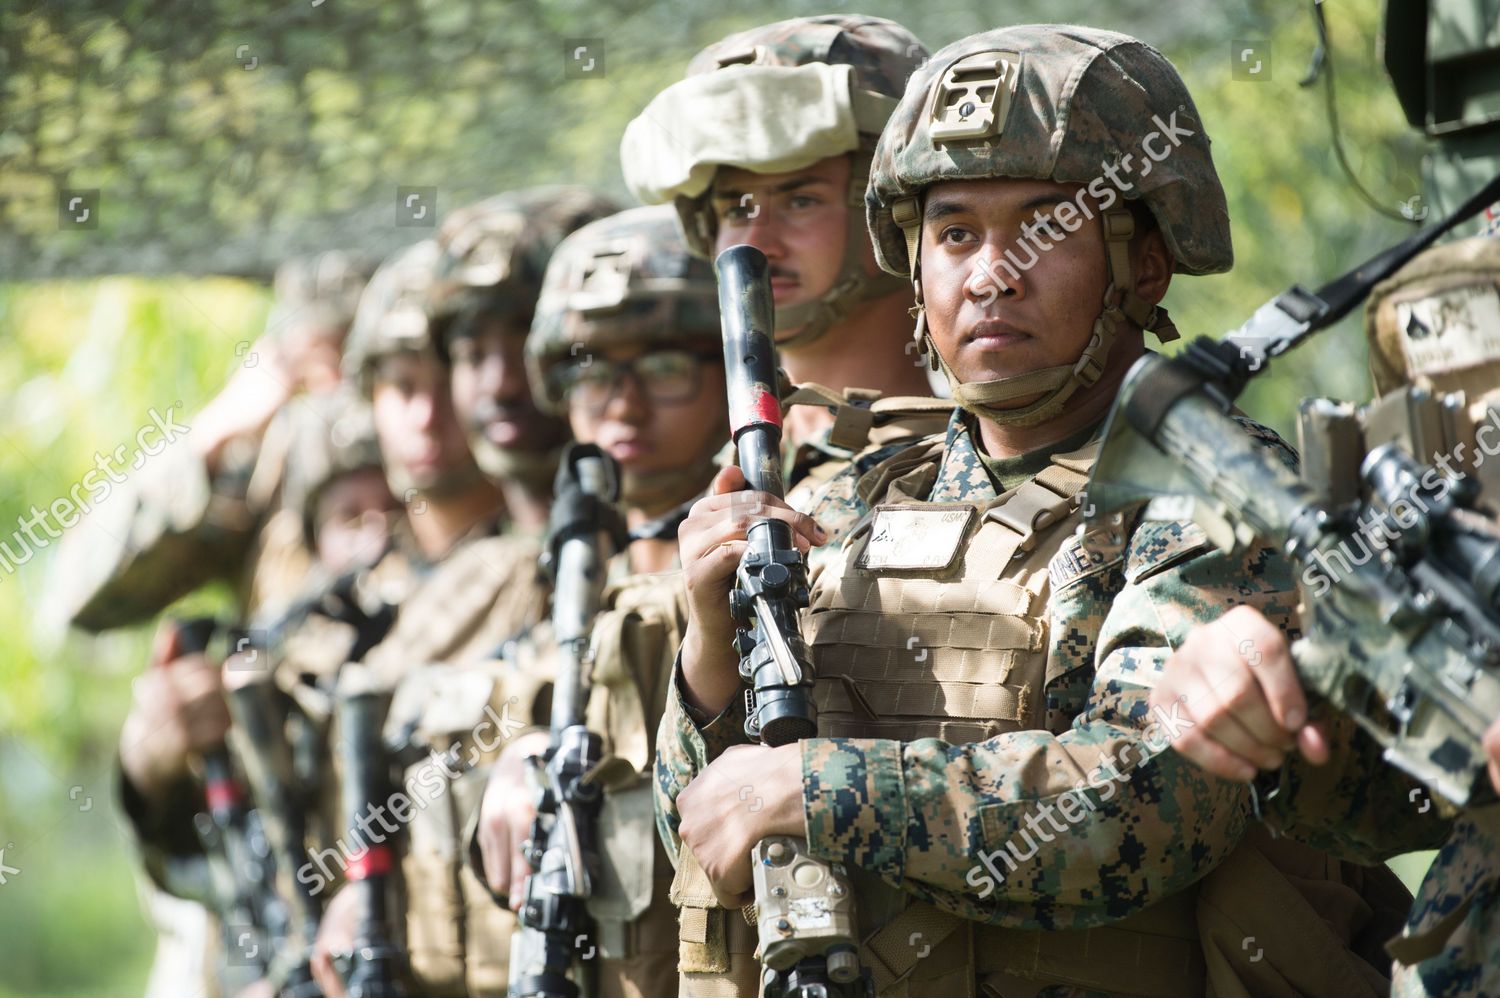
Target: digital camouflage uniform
point(984, 659)
point(171, 527)
point(1435, 323)
point(454, 660)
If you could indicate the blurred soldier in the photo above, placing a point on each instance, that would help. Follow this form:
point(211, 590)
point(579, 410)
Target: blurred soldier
point(445, 658)
point(205, 508)
point(340, 497)
point(768, 142)
point(626, 342)
point(1000, 793)
point(1435, 323)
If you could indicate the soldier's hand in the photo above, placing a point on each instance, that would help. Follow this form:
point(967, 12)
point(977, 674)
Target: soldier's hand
point(746, 794)
point(1492, 752)
point(505, 816)
point(261, 384)
point(178, 711)
point(1238, 685)
point(335, 935)
point(710, 542)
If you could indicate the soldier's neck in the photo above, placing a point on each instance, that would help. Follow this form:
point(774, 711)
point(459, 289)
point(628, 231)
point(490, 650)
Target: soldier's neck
point(649, 556)
point(526, 506)
point(439, 526)
point(1087, 407)
point(866, 350)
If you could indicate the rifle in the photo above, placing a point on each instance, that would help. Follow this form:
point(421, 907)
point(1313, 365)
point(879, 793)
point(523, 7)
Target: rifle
point(804, 906)
point(259, 717)
point(1404, 635)
point(240, 865)
point(585, 529)
point(375, 964)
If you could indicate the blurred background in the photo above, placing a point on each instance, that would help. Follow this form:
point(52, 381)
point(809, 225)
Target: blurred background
point(159, 159)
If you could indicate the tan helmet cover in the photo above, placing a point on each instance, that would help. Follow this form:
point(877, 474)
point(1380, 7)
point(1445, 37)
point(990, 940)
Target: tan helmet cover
point(774, 99)
point(392, 313)
point(1438, 319)
point(627, 280)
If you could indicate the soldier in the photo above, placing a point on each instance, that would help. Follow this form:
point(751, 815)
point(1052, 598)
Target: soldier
point(204, 509)
point(792, 185)
point(449, 658)
point(626, 342)
point(179, 713)
point(1433, 323)
point(987, 767)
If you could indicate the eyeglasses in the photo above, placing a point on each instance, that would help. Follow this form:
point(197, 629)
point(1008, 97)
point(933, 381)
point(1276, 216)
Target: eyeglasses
point(665, 376)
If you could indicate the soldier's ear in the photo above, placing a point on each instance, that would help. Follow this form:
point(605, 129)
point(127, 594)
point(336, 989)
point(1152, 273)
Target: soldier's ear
point(1151, 265)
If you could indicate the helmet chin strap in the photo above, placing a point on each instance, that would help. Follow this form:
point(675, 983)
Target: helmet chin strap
point(1123, 309)
point(659, 490)
point(533, 470)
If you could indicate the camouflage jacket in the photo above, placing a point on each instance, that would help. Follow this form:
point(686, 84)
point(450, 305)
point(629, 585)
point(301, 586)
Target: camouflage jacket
point(920, 814)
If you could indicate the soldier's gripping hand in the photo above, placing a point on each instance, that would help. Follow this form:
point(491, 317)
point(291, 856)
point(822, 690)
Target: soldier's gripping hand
point(1492, 752)
point(335, 936)
point(505, 816)
point(710, 542)
point(177, 711)
point(746, 794)
point(1238, 685)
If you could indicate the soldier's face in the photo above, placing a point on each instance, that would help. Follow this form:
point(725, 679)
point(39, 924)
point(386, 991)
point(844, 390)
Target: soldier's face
point(490, 391)
point(799, 220)
point(998, 304)
point(353, 520)
point(421, 441)
point(667, 424)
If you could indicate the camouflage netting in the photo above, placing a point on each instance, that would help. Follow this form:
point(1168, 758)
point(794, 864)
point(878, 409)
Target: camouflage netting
point(222, 136)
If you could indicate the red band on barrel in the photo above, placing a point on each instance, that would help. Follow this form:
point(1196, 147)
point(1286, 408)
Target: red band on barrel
point(764, 407)
point(368, 862)
point(221, 793)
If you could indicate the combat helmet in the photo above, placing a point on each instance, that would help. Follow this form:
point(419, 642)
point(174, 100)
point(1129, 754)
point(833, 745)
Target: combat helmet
point(773, 99)
point(625, 279)
point(492, 254)
point(392, 313)
point(1061, 103)
point(321, 290)
point(491, 259)
point(333, 435)
point(1437, 319)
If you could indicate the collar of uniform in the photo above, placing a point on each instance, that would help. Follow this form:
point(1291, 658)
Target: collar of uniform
point(968, 474)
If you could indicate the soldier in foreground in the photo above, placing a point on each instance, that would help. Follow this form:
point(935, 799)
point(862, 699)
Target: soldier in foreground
point(1434, 324)
point(795, 190)
point(987, 767)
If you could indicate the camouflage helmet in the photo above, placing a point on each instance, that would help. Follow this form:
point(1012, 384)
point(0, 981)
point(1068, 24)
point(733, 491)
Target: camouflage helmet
point(627, 278)
point(321, 290)
point(493, 253)
point(1068, 104)
point(392, 313)
point(332, 435)
point(774, 99)
point(1438, 319)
